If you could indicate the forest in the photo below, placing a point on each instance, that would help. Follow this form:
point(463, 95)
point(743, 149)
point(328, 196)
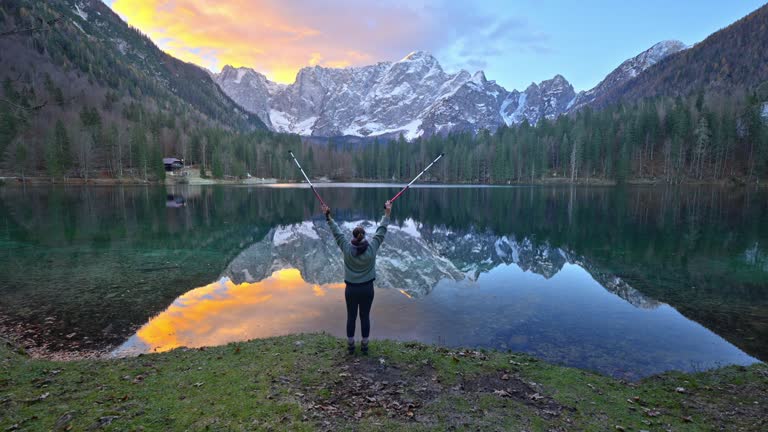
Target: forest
point(72, 107)
point(699, 138)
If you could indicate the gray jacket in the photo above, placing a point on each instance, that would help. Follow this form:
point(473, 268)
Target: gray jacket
point(359, 268)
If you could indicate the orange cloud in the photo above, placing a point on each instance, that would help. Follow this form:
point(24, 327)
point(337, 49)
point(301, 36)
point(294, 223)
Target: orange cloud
point(278, 38)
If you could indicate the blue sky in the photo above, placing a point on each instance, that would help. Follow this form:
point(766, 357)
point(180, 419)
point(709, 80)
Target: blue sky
point(585, 40)
point(514, 42)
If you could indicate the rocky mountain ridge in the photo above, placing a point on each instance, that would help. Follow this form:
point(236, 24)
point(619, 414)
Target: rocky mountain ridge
point(414, 96)
point(416, 259)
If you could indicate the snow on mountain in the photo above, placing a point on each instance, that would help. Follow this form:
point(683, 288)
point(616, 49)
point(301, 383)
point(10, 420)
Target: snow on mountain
point(249, 89)
point(406, 262)
point(547, 99)
point(414, 97)
point(629, 69)
point(414, 258)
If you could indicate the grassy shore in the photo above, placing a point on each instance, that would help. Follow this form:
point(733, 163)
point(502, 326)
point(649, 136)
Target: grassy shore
point(308, 382)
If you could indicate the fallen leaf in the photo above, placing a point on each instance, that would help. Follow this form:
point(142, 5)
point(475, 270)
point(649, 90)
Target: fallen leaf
point(198, 384)
point(680, 390)
point(619, 428)
point(688, 419)
point(505, 377)
point(535, 397)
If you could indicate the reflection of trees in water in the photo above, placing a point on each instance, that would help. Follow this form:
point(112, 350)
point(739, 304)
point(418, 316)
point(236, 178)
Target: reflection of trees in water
point(698, 249)
point(756, 257)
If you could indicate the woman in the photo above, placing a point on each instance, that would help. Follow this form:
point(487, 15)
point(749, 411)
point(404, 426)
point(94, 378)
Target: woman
point(359, 274)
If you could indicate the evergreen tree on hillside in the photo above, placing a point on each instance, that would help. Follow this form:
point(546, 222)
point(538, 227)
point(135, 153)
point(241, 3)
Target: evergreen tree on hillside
point(8, 128)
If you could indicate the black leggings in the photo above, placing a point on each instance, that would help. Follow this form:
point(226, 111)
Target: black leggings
point(359, 295)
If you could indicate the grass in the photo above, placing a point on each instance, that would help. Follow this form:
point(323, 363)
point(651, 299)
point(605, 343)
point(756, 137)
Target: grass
point(307, 382)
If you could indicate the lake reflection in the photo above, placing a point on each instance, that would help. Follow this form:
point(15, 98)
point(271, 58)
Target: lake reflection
point(525, 297)
point(224, 312)
point(626, 281)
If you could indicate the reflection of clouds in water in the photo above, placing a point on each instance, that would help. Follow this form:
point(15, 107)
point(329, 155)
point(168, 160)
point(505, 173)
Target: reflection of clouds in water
point(223, 311)
point(568, 318)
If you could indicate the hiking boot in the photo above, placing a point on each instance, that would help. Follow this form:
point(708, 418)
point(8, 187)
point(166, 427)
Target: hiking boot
point(364, 348)
point(350, 348)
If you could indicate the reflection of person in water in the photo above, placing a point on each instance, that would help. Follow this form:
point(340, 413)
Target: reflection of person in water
point(359, 274)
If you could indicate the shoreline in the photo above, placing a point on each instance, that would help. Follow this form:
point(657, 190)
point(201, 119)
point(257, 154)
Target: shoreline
point(14, 335)
point(11, 181)
point(308, 382)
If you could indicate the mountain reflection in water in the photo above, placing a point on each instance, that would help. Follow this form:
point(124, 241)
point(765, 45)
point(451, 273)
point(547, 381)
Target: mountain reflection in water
point(439, 286)
point(622, 280)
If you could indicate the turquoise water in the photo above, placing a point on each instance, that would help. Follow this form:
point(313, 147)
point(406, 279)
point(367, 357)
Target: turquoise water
point(625, 281)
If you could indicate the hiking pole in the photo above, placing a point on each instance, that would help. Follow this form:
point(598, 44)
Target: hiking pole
point(307, 178)
point(416, 178)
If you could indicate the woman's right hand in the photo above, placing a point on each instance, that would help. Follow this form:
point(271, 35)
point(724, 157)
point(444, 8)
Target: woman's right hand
point(387, 208)
point(326, 210)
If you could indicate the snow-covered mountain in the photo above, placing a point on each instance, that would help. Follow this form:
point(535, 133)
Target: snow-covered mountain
point(413, 96)
point(415, 259)
point(629, 69)
point(548, 99)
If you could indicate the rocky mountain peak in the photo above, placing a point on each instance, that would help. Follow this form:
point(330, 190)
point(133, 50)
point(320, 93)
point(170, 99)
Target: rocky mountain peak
point(628, 70)
point(413, 96)
point(479, 78)
point(418, 56)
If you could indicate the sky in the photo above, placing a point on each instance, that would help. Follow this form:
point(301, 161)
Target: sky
point(514, 42)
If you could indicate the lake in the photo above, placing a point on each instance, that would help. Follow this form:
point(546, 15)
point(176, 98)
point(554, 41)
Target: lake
point(626, 281)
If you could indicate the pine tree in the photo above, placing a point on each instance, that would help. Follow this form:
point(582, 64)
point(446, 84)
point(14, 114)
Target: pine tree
point(156, 161)
point(217, 166)
point(702, 134)
point(8, 128)
point(21, 158)
point(139, 147)
point(63, 149)
point(52, 157)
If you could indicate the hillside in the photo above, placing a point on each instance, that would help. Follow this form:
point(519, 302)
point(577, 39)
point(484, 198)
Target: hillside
point(733, 58)
point(80, 64)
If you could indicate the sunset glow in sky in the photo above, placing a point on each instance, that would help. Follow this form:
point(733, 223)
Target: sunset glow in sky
point(514, 42)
